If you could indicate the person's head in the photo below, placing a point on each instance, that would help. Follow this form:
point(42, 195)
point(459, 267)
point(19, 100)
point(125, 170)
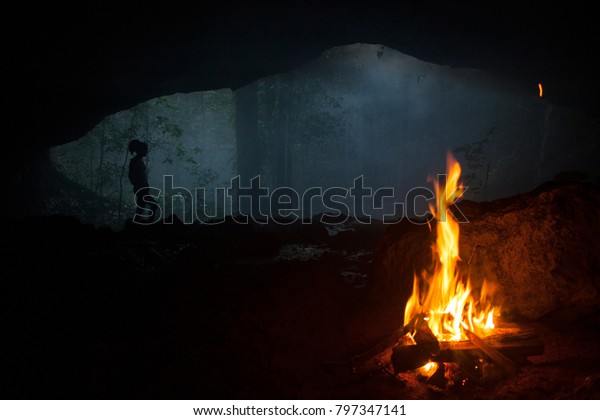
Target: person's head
point(138, 147)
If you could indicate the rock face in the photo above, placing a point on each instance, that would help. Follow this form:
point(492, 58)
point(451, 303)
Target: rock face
point(540, 249)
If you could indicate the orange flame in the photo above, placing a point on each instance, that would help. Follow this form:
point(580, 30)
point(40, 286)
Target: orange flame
point(428, 369)
point(445, 299)
point(540, 89)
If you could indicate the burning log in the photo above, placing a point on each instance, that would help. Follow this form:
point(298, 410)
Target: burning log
point(411, 344)
point(406, 353)
point(405, 358)
point(492, 353)
point(517, 351)
point(425, 338)
point(514, 343)
point(420, 352)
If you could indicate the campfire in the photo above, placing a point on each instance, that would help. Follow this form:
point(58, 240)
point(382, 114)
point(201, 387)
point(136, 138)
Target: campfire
point(452, 333)
point(446, 300)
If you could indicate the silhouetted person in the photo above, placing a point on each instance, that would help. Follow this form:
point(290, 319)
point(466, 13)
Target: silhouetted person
point(138, 175)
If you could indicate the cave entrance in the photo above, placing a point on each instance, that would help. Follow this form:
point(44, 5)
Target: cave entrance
point(360, 111)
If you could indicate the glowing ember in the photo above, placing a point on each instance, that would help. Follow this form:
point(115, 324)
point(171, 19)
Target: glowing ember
point(540, 89)
point(445, 299)
point(428, 370)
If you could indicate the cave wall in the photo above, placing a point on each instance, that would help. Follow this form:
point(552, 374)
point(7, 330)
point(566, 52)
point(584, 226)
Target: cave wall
point(71, 69)
point(68, 69)
point(359, 112)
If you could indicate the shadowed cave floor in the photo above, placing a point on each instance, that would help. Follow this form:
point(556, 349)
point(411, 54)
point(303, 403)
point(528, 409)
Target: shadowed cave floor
point(227, 312)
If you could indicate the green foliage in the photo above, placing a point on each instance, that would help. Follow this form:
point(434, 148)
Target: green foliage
point(99, 160)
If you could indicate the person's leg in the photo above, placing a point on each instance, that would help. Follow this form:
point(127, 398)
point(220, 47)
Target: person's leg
point(138, 217)
point(152, 206)
point(146, 207)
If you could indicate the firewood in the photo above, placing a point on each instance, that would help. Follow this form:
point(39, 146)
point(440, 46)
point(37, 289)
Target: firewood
point(405, 358)
point(379, 354)
point(509, 332)
point(425, 338)
point(515, 343)
point(499, 358)
point(411, 357)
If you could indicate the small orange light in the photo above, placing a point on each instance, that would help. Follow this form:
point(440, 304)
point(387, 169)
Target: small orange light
point(541, 90)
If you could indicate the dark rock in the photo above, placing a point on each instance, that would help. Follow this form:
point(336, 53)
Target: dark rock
point(541, 250)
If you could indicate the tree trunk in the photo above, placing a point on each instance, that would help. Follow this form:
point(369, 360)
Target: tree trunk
point(280, 117)
point(99, 179)
point(247, 140)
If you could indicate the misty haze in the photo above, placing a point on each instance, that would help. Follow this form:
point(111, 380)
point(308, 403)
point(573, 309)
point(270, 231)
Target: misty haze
point(359, 110)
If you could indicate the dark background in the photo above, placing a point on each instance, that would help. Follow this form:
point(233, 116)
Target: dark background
point(70, 67)
point(93, 314)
